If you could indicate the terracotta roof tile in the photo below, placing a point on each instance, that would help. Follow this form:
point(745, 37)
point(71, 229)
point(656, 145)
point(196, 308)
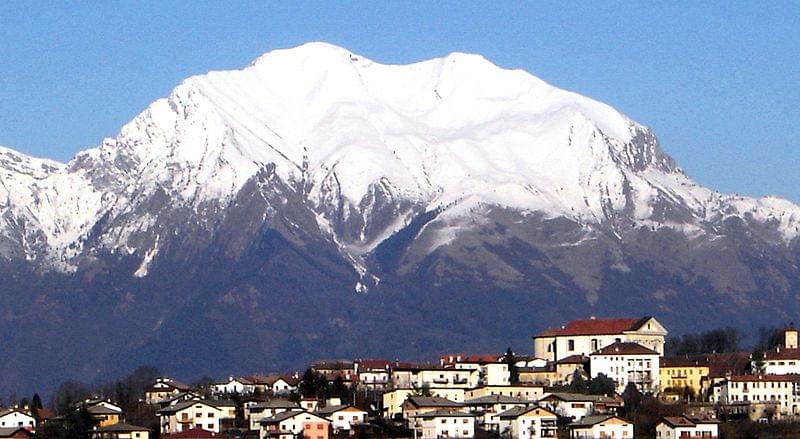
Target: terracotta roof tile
point(595, 327)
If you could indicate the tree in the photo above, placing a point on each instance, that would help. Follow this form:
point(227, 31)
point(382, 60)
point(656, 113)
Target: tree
point(757, 360)
point(313, 384)
point(424, 390)
point(36, 405)
point(602, 385)
point(68, 393)
point(513, 371)
point(632, 398)
point(578, 383)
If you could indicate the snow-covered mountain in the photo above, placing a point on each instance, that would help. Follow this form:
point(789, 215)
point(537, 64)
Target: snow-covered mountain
point(442, 175)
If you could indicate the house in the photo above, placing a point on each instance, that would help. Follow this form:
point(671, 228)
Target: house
point(626, 362)
point(234, 385)
point(540, 375)
point(373, 374)
point(329, 367)
point(574, 406)
point(102, 402)
point(103, 415)
point(785, 359)
point(309, 404)
point(15, 433)
point(601, 426)
point(254, 413)
point(14, 417)
point(486, 408)
point(164, 388)
point(282, 384)
point(530, 392)
point(566, 367)
point(179, 398)
point(444, 423)
point(343, 417)
point(684, 427)
point(492, 370)
point(720, 367)
point(582, 337)
point(684, 372)
point(392, 402)
point(287, 425)
point(209, 415)
point(416, 405)
point(530, 422)
point(406, 377)
point(779, 394)
point(121, 431)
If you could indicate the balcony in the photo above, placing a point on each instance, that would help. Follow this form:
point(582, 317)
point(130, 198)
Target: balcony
point(441, 380)
point(460, 381)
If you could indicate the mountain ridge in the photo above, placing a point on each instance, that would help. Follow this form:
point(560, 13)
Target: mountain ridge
point(318, 182)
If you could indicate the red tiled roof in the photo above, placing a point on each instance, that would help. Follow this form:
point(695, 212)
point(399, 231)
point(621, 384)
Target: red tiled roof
point(780, 353)
point(593, 327)
point(373, 364)
point(620, 348)
point(722, 364)
point(573, 359)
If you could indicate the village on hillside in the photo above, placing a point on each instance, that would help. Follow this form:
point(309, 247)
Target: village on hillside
point(592, 378)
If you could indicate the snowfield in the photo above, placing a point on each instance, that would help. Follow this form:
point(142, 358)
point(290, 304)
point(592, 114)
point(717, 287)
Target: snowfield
point(454, 133)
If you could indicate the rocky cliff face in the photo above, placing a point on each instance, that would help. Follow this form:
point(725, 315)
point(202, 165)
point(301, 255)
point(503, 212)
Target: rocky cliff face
point(318, 204)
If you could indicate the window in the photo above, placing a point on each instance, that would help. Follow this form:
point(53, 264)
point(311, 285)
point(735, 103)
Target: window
point(594, 344)
point(198, 415)
point(211, 426)
point(319, 426)
point(570, 345)
point(210, 415)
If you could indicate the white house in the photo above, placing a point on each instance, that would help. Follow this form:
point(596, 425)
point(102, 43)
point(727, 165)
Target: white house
point(281, 385)
point(288, 425)
point(17, 418)
point(492, 371)
point(487, 408)
point(444, 424)
point(677, 427)
point(601, 426)
point(784, 359)
point(373, 374)
point(573, 406)
point(626, 362)
point(205, 414)
point(528, 423)
point(780, 391)
point(434, 377)
point(238, 385)
point(343, 417)
point(582, 337)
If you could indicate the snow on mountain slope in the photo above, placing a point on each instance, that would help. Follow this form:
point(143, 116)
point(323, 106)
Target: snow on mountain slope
point(453, 134)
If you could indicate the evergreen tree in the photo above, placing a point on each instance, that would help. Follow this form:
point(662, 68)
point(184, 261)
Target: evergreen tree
point(578, 383)
point(511, 360)
point(602, 385)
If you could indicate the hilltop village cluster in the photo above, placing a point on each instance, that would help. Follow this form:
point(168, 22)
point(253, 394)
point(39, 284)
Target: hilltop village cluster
point(464, 396)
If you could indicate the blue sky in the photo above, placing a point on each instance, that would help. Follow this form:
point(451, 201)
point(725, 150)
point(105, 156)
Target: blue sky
point(719, 82)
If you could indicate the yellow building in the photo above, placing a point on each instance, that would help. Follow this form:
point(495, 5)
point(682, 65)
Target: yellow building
point(683, 372)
